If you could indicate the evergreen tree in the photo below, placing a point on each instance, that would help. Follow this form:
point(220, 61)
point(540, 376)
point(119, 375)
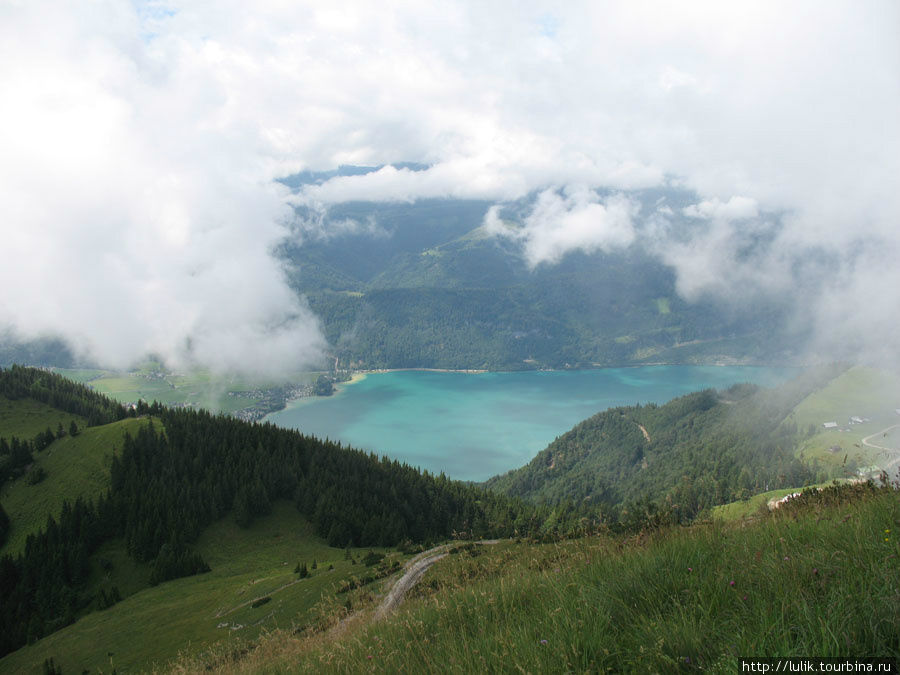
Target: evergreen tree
point(4, 525)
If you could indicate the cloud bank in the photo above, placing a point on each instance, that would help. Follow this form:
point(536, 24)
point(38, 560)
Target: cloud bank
point(140, 142)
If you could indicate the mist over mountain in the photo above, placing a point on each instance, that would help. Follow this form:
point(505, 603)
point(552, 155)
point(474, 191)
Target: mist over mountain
point(452, 283)
point(143, 145)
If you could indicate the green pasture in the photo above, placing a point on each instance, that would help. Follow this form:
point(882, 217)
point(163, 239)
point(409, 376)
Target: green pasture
point(202, 389)
point(26, 418)
point(76, 467)
point(861, 392)
point(753, 506)
point(819, 577)
point(194, 614)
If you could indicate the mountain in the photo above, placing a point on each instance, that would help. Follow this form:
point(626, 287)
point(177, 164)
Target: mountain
point(128, 537)
point(818, 576)
point(426, 284)
point(141, 486)
point(695, 452)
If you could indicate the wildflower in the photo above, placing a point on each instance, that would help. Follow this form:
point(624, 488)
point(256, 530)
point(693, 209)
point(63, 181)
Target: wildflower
point(745, 598)
point(369, 656)
point(731, 583)
point(690, 569)
point(787, 557)
point(815, 570)
point(543, 642)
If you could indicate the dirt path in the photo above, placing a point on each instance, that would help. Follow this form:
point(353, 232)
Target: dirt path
point(644, 431)
point(865, 441)
point(412, 572)
point(892, 466)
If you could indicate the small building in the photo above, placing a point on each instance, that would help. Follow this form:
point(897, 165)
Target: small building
point(830, 425)
point(856, 420)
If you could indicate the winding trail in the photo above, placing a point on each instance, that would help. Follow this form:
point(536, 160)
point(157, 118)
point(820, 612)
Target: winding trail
point(892, 465)
point(412, 571)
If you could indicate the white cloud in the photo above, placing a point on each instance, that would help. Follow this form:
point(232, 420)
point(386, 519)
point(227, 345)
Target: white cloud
point(138, 146)
point(734, 209)
point(134, 219)
point(576, 220)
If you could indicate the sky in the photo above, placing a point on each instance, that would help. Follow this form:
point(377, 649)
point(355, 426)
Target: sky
point(140, 143)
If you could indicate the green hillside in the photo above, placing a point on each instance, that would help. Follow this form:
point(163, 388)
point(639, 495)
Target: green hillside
point(190, 615)
point(695, 452)
point(871, 395)
point(123, 505)
point(817, 577)
point(27, 418)
point(74, 466)
point(426, 285)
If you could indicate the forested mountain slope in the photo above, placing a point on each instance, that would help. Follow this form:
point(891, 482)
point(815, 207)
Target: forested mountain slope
point(183, 470)
point(426, 284)
point(694, 452)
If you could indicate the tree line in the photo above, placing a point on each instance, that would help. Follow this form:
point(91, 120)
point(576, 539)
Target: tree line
point(649, 462)
point(186, 469)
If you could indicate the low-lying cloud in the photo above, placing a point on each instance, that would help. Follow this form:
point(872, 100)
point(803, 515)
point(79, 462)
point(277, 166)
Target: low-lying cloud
point(575, 220)
point(136, 219)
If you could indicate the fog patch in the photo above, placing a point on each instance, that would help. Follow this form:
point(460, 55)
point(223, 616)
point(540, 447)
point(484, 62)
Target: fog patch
point(559, 222)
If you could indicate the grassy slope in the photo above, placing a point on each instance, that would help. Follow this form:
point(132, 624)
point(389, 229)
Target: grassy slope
point(184, 615)
point(862, 392)
point(811, 579)
point(26, 418)
point(750, 508)
point(75, 467)
point(157, 623)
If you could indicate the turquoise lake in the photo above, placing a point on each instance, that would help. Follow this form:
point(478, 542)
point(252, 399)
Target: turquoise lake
point(474, 425)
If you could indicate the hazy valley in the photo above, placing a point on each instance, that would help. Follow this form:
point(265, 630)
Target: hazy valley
point(449, 337)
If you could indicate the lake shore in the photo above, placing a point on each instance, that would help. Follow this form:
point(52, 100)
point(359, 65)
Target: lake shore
point(471, 428)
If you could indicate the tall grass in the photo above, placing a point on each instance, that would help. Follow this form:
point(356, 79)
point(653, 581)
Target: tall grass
point(819, 578)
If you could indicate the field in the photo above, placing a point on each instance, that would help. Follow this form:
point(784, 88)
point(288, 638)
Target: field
point(819, 578)
point(150, 382)
point(76, 467)
point(27, 418)
point(860, 392)
point(753, 507)
point(193, 614)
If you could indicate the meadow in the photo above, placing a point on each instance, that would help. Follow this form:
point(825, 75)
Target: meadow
point(218, 609)
point(75, 466)
point(817, 577)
